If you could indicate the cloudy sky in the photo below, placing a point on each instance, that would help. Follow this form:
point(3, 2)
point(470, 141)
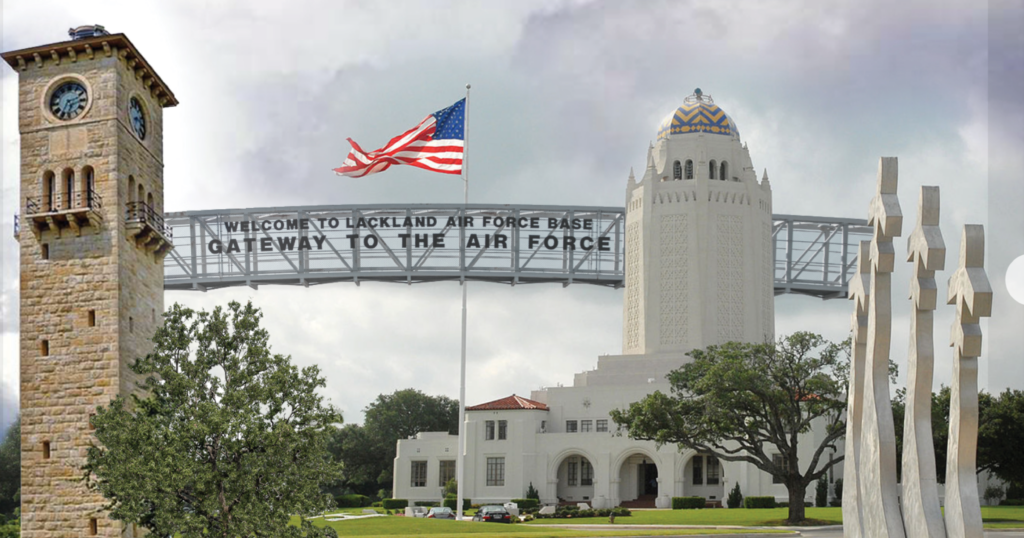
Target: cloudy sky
point(566, 97)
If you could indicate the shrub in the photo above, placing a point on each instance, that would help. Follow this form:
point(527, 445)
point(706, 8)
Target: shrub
point(735, 499)
point(1011, 502)
point(782, 504)
point(836, 502)
point(451, 487)
point(993, 494)
point(759, 502)
point(532, 493)
point(377, 504)
point(395, 504)
point(430, 504)
point(351, 501)
point(821, 493)
point(687, 503)
point(621, 511)
point(838, 490)
point(450, 502)
point(526, 504)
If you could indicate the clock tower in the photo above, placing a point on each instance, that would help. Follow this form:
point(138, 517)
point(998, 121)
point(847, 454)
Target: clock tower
point(90, 115)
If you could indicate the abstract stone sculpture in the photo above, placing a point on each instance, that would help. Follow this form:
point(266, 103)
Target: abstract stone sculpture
point(970, 291)
point(877, 458)
point(853, 518)
point(922, 515)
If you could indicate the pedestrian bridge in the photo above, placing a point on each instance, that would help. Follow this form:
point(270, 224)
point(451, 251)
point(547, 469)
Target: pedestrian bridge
point(414, 243)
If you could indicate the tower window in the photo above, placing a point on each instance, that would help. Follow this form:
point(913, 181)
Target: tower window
point(44, 347)
point(46, 450)
point(69, 188)
point(712, 170)
point(93, 527)
point(92, 318)
point(724, 171)
point(45, 254)
point(689, 169)
point(677, 170)
point(49, 190)
point(131, 324)
point(88, 187)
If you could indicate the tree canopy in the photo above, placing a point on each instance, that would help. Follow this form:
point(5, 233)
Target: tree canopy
point(368, 452)
point(228, 439)
point(751, 402)
point(10, 470)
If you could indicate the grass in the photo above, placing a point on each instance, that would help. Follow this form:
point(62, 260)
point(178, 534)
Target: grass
point(406, 526)
point(995, 517)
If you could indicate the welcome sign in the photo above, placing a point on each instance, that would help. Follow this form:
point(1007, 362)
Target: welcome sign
point(404, 243)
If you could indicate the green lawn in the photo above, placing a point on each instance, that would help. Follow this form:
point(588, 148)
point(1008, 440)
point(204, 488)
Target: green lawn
point(995, 517)
point(405, 526)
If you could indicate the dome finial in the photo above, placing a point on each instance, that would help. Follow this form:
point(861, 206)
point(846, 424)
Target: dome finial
point(698, 93)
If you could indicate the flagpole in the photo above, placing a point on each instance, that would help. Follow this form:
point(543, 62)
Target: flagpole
point(460, 467)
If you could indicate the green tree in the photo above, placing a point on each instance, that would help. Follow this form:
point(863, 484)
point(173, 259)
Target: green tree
point(229, 439)
point(1000, 436)
point(10, 469)
point(751, 402)
point(367, 452)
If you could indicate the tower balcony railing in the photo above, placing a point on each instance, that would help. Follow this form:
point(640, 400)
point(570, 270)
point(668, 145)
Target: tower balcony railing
point(147, 227)
point(56, 211)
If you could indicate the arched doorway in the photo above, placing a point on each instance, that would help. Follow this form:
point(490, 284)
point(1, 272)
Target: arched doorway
point(639, 483)
point(575, 474)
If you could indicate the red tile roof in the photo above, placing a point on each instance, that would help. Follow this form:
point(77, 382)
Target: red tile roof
point(512, 402)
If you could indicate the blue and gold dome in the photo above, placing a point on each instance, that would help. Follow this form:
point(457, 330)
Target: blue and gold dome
point(699, 114)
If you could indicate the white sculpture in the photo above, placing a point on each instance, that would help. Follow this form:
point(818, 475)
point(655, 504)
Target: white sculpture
point(860, 284)
point(970, 291)
point(922, 516)
point(877, 459)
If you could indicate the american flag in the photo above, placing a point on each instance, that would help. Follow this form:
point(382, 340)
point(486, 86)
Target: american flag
point(436, 144)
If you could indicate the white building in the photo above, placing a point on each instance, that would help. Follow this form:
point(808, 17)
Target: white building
point(698, 273)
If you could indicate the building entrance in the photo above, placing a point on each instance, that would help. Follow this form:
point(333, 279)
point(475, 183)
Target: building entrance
point(647, 473)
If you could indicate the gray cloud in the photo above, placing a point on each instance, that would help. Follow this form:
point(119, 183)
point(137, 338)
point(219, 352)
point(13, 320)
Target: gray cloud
point(566, 97)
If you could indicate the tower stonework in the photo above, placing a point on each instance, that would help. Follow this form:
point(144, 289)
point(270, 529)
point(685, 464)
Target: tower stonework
point(92, 248)
point(698, 239)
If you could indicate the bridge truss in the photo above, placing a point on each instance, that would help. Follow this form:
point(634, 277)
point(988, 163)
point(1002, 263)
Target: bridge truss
point(414, 243)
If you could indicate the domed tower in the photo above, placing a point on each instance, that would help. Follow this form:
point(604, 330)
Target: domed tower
point(698, 239)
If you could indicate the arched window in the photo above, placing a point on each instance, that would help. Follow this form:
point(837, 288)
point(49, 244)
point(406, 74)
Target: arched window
point(68, 187)
point(725, 171)
point(677, 170)
point(87, 187)
point(49, 190)
point(689, 169)
point(149, 201)
point(712, 170)
point(142, 194)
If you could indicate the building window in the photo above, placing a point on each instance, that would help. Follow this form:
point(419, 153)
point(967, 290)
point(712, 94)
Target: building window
point(570, 426)
point(586, 426)
point(93, 527)
point(573, 468)
point(502, 430)
point(44, 348)
point(419, 474)
point(677, 170)
point(46, 450)
point(712, 170)
point(543, 426)
point(587, 473)
point(131, 324)
point(495, 471)
point(602, 425)
point(91, 318)
point(698, 471)
point(714, 469)
point(783, 464)
point(447, 472)
point(489, 430)
point(724, 171)
point(689, 169)
point(46, 251)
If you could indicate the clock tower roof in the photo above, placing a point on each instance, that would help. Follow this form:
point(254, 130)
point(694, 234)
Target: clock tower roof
point(88, 47)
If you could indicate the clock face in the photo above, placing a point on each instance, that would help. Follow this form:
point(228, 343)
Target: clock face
point(137, 118)
point(69, 100)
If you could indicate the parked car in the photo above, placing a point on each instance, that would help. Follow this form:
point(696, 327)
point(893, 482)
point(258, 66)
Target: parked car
point(495, 514)
point(441, 513)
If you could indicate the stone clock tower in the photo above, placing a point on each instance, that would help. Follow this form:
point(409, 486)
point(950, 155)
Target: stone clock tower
point(90, 114)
